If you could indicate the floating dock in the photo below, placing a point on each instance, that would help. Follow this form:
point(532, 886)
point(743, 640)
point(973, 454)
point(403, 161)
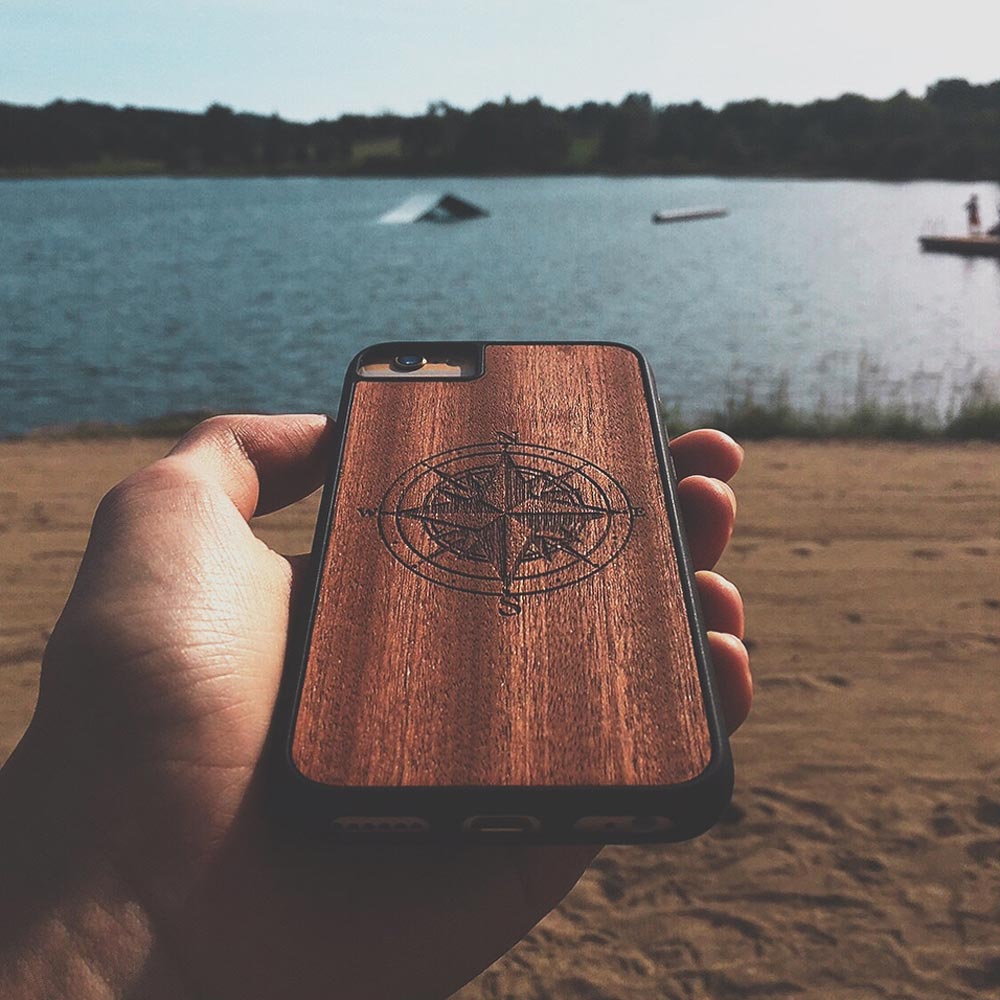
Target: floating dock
point(689, 214)
point(968, 246)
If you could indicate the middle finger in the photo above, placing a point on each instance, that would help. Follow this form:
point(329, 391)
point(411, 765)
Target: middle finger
point(709, 510)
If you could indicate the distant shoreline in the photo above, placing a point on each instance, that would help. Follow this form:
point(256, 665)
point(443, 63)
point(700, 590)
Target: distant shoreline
point(125, 172)
point(951, 132)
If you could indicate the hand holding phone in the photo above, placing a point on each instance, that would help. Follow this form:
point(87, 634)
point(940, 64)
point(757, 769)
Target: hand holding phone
point(144, 756)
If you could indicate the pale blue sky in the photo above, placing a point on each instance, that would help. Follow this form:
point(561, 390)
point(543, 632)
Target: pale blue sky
point(306, 59)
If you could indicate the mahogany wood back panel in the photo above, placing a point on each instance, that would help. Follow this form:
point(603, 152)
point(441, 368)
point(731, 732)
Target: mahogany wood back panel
point(500, 601)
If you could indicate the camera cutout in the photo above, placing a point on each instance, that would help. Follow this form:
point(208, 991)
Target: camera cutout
point(408, 362)
point(422, 361)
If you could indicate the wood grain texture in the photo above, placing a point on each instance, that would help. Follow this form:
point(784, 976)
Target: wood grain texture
point(411, 681)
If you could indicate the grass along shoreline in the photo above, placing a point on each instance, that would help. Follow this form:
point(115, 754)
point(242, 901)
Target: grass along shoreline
point(977, 418)
point(748, 412)
point(974, 417)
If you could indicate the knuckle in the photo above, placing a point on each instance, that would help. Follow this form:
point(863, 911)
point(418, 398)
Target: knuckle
point(225, 435)
point(160, 477)
point(217, 428)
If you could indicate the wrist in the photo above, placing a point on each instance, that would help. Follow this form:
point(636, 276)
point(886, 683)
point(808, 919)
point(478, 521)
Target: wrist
point(70, 924)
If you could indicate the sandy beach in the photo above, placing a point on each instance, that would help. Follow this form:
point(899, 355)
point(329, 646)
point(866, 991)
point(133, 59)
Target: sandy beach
point(861, 855)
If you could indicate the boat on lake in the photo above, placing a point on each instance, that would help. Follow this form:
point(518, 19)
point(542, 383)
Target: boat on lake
point(689, 214)
point(969, 246)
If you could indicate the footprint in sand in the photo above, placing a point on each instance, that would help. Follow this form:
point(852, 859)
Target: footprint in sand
point(983, 977)
point(576, 986)
point(732, 815)
point(812, 808)
point(613, 889)
point(943, 823)
point(610, 880)
point(595, 937)
point(867, 871)
point(987, 811)
point(984, 852)
point(725, 919)
point(815, 935)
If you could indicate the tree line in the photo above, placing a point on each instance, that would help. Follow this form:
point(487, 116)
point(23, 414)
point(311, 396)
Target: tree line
point(951, 132)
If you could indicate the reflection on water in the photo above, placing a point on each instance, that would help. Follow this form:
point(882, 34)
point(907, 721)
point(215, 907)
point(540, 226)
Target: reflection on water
point(128, 298)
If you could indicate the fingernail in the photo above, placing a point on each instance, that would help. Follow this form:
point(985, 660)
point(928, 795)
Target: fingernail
point(732, 496)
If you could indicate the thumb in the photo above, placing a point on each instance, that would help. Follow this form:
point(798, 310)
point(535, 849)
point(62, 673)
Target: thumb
point(261, 463)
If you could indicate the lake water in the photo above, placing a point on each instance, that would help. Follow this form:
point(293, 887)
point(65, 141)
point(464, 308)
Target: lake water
point(121, 299)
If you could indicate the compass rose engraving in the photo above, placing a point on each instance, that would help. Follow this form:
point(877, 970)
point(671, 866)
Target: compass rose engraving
point(505, 519)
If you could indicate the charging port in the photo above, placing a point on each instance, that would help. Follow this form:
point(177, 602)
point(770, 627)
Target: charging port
point(508, 825)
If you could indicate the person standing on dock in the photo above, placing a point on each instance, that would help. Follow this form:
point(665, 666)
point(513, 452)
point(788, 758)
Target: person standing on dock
point(972, 210)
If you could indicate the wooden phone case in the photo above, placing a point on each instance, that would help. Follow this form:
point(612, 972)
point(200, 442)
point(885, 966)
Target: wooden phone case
point(503, 617)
